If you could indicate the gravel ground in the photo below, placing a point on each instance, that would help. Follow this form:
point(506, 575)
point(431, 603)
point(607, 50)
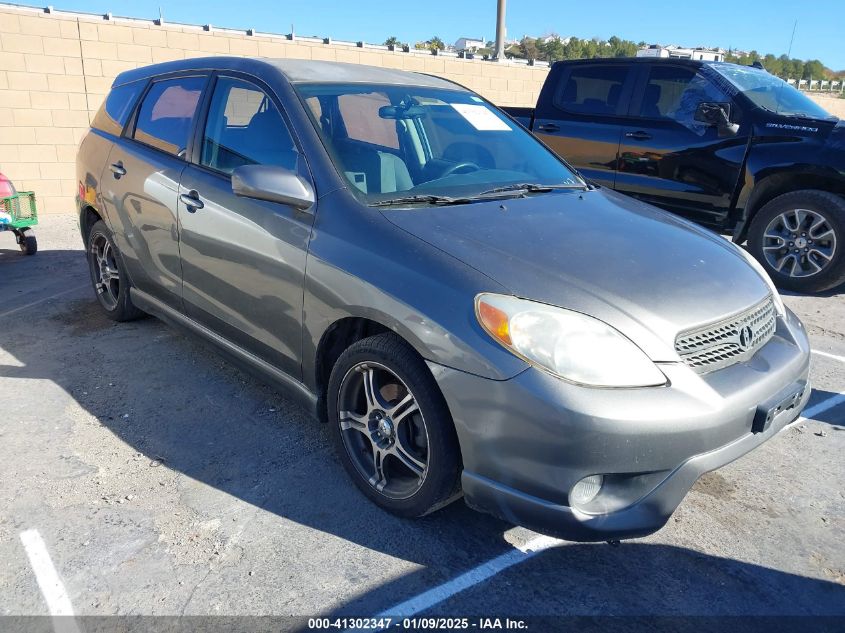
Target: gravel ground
point(163, 482)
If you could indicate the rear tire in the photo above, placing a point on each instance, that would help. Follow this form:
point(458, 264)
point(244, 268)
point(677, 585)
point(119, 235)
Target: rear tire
point(799, 238)
point(391, 427)
point(108, 276)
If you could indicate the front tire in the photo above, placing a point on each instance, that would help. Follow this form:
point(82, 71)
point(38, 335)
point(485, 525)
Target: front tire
point(799, 238)
point(107, 275)
point(391, 427)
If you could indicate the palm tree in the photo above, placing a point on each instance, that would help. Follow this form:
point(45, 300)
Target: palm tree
point(393, 41)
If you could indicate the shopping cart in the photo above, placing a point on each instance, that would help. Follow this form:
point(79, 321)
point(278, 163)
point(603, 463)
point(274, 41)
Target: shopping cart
point(18, 215)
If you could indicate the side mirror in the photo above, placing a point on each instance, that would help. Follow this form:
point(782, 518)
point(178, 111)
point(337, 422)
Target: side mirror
point(718, 115)
point(273, 184)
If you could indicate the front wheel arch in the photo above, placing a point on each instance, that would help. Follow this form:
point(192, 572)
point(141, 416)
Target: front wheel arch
point(773, 185)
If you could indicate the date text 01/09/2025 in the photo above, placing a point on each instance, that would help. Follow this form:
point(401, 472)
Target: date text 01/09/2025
point(416, 624)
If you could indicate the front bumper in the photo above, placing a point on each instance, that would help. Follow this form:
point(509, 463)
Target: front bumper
point(527, 441)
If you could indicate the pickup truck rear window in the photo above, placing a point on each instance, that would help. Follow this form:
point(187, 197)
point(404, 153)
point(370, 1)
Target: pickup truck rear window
point(593, 90)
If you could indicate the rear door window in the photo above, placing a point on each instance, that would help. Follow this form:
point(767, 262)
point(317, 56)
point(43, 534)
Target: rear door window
point(112, 115)
point(592, 89)
point(166, 113)
point(244, 127)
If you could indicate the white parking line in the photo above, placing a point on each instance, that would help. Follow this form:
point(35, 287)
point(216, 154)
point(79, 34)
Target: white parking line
point(52, 588)
point(39, 301)
point(482, 572)
point(841, 359)
point(821, 407)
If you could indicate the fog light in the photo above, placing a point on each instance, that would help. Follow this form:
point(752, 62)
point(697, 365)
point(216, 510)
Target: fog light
point(585, 490)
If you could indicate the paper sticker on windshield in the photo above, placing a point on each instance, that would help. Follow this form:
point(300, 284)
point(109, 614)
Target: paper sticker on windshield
point(481, 117)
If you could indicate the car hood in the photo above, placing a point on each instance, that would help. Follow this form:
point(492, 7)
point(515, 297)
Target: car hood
point(646, 272)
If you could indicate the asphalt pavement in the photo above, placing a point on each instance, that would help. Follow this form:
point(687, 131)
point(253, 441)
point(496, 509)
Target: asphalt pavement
point(141, 474)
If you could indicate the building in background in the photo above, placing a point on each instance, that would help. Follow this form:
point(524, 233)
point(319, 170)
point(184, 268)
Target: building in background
point(471, 44)
point(679, 52)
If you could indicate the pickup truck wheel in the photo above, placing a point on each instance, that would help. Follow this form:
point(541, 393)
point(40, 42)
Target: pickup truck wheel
point(799, 237)
point(391, 427)
point(107, 275)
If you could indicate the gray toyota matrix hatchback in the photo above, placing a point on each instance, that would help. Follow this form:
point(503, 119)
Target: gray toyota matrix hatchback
point(468, 314)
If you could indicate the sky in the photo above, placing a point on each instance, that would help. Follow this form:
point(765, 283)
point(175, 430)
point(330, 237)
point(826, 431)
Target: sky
point(765, 26)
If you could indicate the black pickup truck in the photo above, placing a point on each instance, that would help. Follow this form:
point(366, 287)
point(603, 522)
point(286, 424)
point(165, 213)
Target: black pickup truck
point(731, 147)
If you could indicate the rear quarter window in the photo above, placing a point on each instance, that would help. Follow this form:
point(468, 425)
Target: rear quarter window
point(112, 115)
point(592, 90)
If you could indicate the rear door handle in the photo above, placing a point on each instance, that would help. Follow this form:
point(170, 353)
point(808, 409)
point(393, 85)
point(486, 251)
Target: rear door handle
point(548, 127)
point(639, 135)
point(191, 200)
point(117, 169)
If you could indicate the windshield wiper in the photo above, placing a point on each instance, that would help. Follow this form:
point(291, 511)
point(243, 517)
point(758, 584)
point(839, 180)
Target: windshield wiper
point(420, 199)
point(490, 194)
point(532, 188)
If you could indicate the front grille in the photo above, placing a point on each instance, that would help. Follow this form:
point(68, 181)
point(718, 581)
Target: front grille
point(727, 342)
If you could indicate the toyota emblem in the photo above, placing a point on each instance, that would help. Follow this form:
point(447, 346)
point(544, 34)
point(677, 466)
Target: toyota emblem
point(745, 337)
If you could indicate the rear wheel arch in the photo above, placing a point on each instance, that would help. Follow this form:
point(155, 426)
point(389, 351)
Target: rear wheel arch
point(88, 217)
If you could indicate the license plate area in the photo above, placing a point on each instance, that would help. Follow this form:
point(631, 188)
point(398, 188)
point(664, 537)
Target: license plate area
point(767, 412)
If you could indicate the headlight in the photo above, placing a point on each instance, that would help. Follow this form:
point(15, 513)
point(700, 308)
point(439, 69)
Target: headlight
point(779, 307)
point(568, 344)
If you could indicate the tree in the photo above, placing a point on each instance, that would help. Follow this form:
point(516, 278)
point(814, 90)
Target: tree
point(435, 43)
point(393, 41)
point(529, 48)
point(813, 69)
point(552, 50)
point(590, 49)
point(573, 49)
point(773, 64)
point(626, 49)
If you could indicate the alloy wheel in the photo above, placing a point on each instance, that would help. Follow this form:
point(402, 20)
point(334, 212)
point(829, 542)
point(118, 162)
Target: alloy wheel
point(383, 430)
point(104, 270)
point(799, 243)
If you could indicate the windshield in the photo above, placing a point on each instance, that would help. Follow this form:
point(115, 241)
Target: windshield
point(770, 92)
point(393, 142)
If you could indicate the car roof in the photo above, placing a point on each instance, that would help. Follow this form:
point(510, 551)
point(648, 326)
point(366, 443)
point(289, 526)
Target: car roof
point(294, 70)
point(639, 60)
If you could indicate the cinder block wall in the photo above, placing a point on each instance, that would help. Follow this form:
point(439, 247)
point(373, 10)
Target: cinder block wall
point(55, 69)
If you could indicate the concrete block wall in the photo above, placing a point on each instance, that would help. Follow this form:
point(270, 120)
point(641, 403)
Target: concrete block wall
point(56, 68)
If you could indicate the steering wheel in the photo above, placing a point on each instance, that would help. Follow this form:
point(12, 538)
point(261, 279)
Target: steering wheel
point(463, 165)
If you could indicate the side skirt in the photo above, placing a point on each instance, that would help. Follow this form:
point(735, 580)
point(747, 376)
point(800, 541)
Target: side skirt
point(247, 360)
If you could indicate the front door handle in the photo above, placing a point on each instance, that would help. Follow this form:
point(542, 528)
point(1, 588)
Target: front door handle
point(639, 135)
point(548, 127)
point(117, 169)
point(192, 201)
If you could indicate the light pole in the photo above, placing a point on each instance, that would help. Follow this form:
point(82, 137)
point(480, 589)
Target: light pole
point(500, 30)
